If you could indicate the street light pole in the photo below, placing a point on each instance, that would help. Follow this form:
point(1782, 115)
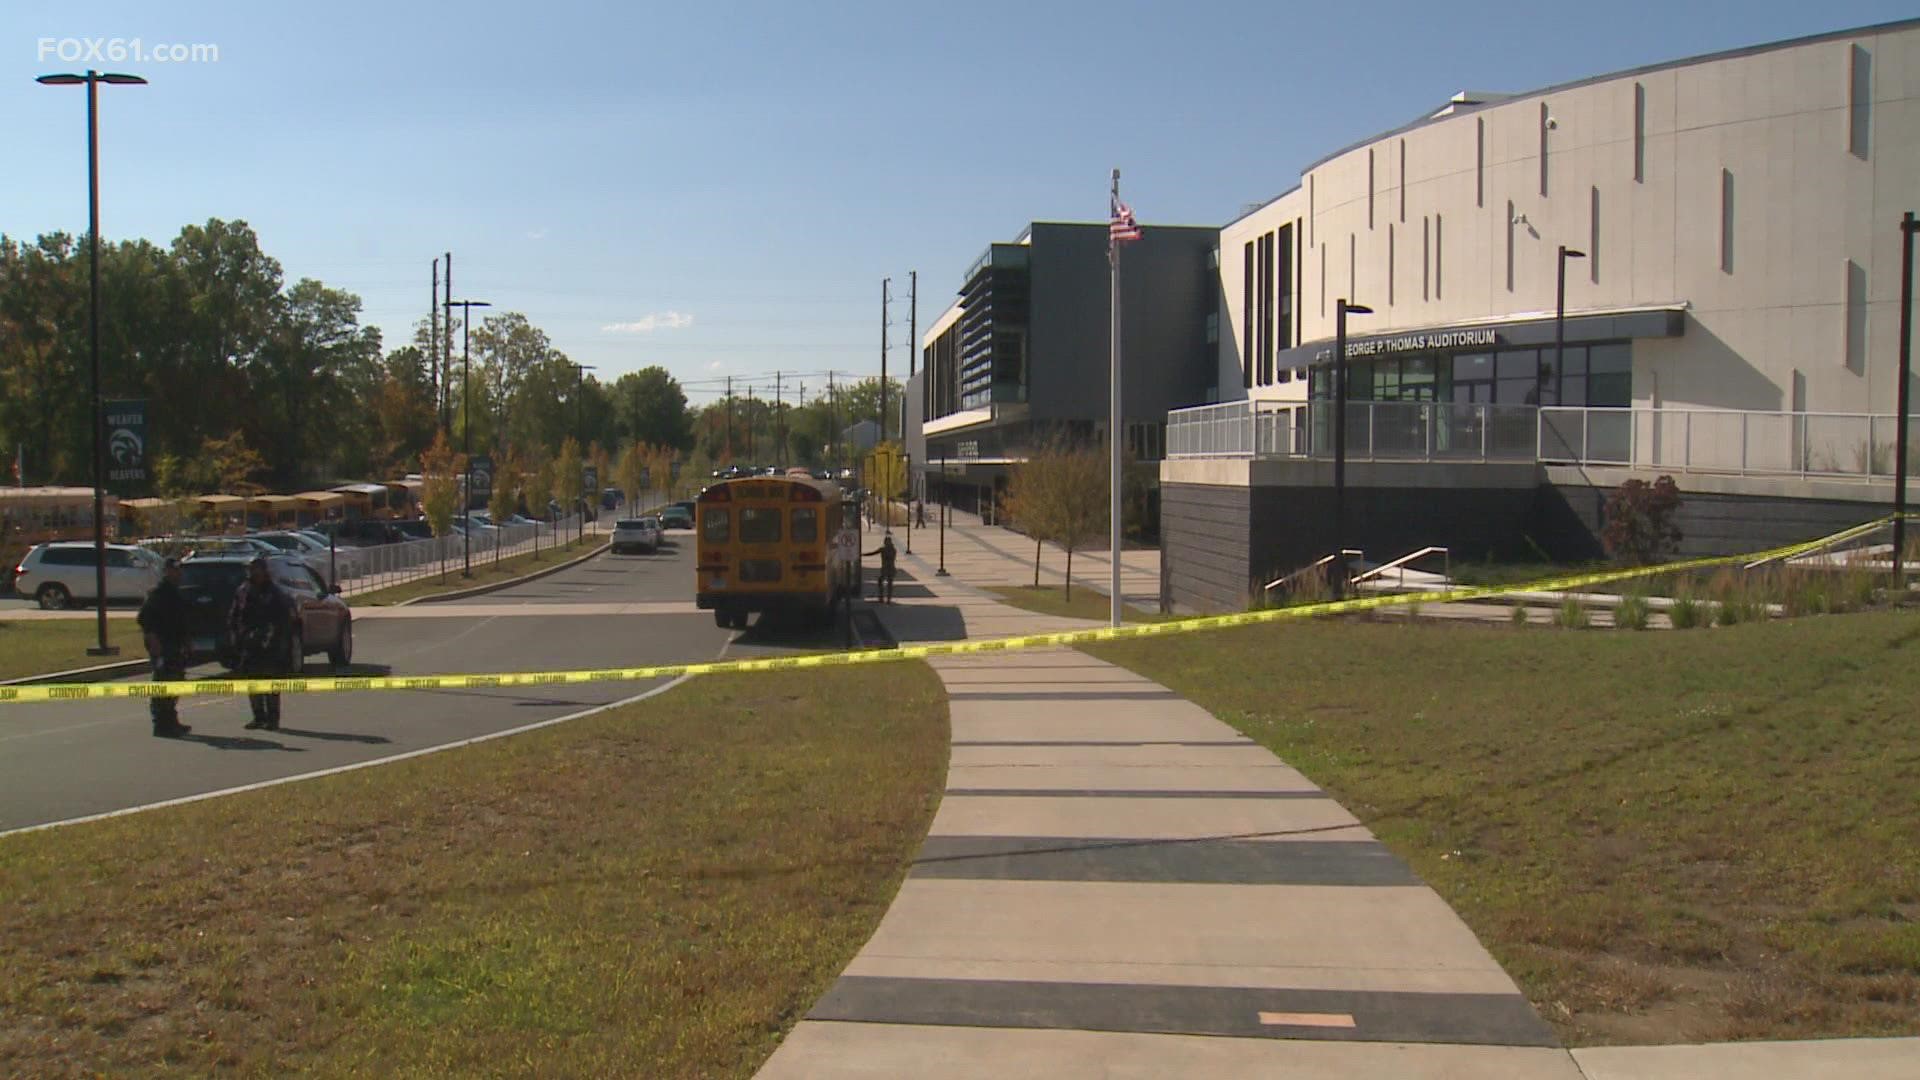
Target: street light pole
point(580, 425)
point(942, 572)
point(1559, 327)
point(1341, 309)
point(466, 426)
point(1902, 400)
point(96, 423)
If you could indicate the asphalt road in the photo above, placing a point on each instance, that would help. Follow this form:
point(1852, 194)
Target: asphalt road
point(59, 761)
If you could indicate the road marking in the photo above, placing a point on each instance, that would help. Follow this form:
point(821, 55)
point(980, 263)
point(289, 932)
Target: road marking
point(1292, 1019)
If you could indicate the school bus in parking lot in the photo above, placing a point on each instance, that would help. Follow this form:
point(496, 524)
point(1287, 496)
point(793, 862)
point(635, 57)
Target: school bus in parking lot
point(765, 544)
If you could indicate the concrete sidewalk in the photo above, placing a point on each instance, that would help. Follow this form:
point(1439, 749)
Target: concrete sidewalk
point(984, 555)
point(1117, 884)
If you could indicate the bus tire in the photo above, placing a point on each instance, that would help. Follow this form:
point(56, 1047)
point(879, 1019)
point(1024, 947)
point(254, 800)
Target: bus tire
point(53, 596)
point(722, 619)
point(740, 620)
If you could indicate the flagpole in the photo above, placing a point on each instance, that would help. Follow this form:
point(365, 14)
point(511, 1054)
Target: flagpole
point(1113, 412)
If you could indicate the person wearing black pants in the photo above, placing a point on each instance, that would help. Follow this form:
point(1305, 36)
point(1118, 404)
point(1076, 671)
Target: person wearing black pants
point(885, 551)
point(163, 625)
point(261, 623)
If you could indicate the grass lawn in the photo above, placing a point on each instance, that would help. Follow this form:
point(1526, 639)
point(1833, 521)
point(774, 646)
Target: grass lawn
point(485, 572)
point(1085, 604)
point(1664, 838)
point(661, 890)
point(39, 646)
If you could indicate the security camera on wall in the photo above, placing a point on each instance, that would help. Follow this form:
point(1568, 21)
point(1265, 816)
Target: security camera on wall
point(1552, 123)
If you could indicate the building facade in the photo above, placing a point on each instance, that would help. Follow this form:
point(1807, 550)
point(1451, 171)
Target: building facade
point(1725, 229)
point(1021, 355)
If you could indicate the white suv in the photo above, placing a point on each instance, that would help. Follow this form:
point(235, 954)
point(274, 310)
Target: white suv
point(60, 573)
point(636, 534)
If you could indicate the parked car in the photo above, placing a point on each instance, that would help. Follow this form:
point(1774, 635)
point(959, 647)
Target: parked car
point(416, 529)
point(676, 517)
point(322, 620)
point(230, 545)
point(636, 534)
point(316, 552)
point(58, 574)
point(360, 532)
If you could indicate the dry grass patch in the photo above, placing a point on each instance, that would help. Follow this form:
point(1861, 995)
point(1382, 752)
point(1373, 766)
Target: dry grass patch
point(660, 890)
point(1664, 838)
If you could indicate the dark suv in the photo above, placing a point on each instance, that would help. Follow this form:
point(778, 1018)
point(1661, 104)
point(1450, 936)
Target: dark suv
point(322, 622)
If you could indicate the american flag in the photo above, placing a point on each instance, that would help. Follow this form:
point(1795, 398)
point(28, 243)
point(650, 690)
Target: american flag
point(1120, 226)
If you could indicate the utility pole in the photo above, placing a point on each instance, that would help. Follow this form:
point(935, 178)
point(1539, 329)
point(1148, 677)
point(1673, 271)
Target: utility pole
point(779, 428)
point(446, 367)
point(886, 296)
point(1902, 401)
point(729, 419)
point(750, 458)
point(913, 359)
point(433, 338)
point(833, 431)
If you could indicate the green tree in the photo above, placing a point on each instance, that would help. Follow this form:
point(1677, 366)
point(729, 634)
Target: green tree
point(507, 482)
point(567, 476)
point(650, 407)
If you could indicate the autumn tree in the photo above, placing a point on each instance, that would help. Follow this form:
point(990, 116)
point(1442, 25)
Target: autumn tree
point(1059, 494)
point(505, 497)
point(441, 468)
point(568, 481)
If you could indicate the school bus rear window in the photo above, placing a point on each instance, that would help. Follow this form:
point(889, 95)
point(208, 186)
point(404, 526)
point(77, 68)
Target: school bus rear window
point(806, 524)
point(716, 524)
point(759, 525)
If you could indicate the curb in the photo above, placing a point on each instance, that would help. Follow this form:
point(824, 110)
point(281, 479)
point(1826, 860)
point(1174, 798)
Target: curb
point(482, 590)
point(97, 673)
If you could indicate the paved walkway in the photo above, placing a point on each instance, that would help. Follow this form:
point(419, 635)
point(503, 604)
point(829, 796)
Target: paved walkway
point(990, 555)
point(1117, 884)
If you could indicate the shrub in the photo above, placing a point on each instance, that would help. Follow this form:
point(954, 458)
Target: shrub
point(1519, 616)
point(1632, 612)
point(1685, 612)
point(1639, 521)
point(1571, 614)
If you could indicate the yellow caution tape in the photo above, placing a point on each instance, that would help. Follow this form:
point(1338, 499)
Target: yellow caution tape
point(506, 680)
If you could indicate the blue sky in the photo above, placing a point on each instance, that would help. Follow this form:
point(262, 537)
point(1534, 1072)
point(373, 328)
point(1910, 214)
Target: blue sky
point(745, 174)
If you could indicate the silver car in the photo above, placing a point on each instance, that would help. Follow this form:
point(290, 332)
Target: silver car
point(636, 534)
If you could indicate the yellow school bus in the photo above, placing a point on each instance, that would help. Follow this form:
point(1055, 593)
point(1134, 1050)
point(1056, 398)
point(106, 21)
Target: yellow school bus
point(765, 544)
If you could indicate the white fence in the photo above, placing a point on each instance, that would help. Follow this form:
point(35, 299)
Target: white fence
point(365, 569)
point(1853, 446)
point(1376, 431)
point(1842, 446)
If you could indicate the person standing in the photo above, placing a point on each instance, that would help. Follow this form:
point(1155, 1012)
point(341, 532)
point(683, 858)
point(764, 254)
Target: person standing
point(885, 551)
point(261, 623)
point(163, 626)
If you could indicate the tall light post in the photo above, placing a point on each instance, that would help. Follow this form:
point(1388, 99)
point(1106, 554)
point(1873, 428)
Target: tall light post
point(1903, 400)
point(1341, 309)
point(466, 425)
point(580, 426)
point(96, 422)
point(1559, 326)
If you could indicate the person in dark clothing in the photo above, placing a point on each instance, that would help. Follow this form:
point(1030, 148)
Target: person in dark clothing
point(885, 551)
point(261, 622)
point(163, 624)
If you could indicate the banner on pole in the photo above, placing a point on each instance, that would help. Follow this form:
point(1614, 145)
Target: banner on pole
point(126, 423)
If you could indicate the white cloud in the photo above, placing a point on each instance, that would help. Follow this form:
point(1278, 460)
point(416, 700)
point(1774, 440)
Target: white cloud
point(536, 234)
point(647, 324)
point(716, 365)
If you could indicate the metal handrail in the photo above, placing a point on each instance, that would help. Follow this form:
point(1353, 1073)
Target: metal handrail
point(1400, 564)
point(1314, 565)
